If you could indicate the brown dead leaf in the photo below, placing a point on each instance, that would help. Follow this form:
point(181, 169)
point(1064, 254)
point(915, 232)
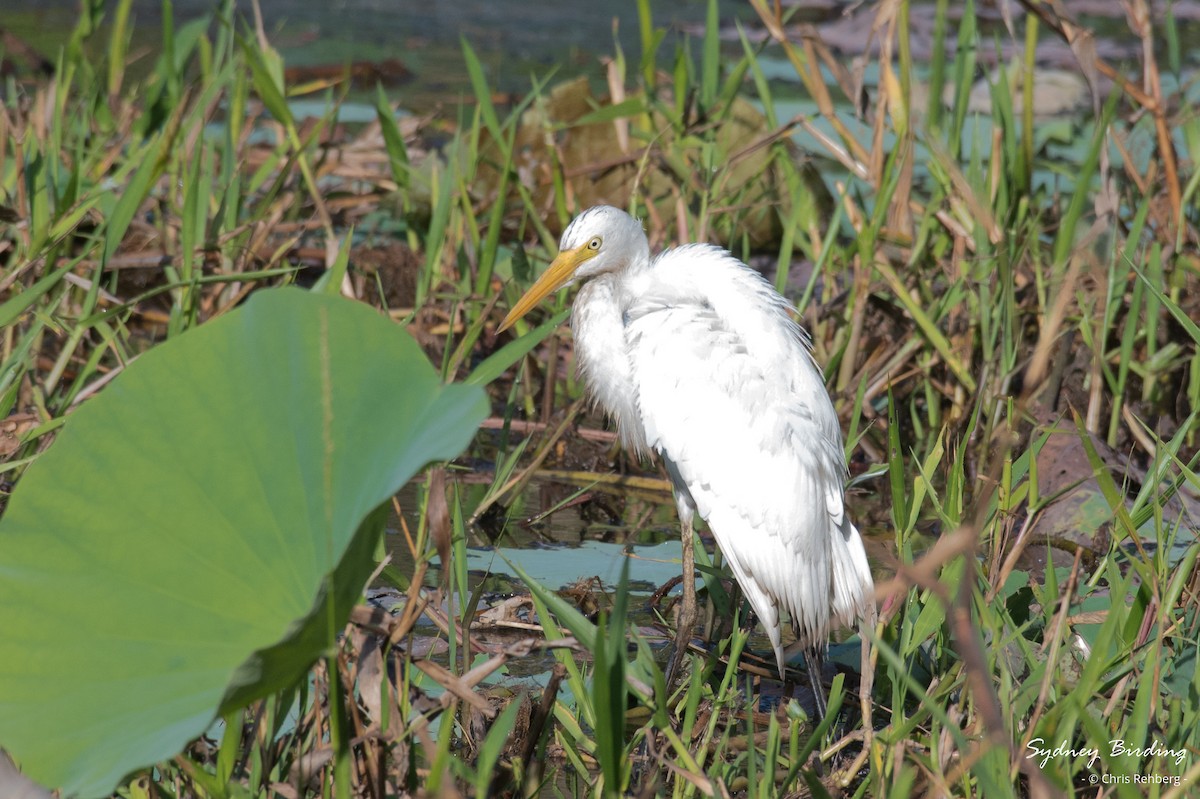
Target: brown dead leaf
point(506, 613)
point(439, 518)
point(13, 429)
point(1078, 516)
point(371, 676)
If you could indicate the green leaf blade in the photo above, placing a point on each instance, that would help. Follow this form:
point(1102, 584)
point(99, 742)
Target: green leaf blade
point(192, 521)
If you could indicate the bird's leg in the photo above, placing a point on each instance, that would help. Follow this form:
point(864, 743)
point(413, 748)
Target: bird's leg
point(866, 628)
point(812, 661)
point(686, 619)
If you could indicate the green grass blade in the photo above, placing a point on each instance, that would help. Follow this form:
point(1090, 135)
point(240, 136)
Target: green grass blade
point(499, 361)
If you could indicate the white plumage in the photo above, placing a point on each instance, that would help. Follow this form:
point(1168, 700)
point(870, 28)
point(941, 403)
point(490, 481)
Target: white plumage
point(696, 358)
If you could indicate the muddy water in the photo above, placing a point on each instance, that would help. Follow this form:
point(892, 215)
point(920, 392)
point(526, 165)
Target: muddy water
point(574, 541)
point(514, 39)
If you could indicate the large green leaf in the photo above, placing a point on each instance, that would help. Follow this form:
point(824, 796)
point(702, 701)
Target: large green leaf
point(171, 555)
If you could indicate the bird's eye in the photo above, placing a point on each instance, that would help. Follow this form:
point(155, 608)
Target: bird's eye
point(594, 244)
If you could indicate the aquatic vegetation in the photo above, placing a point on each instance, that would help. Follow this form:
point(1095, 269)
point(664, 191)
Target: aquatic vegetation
point(1006, 308)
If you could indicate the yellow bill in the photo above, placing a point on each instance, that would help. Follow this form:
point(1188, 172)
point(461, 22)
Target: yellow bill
point(560, 272)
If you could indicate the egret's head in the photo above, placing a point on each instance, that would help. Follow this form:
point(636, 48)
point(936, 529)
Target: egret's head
point(601, 239)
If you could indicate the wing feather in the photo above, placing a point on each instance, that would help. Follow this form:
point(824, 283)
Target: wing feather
point(728, 391)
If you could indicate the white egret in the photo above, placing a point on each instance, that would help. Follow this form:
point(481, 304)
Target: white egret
point(695, 357)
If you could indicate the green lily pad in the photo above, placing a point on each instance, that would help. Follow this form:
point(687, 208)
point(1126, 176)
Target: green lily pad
point(198, 533)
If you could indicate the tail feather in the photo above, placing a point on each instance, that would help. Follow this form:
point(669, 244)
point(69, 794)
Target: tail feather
point(853, 589)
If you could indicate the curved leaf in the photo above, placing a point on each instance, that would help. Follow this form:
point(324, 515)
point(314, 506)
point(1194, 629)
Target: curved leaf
point(172, 553)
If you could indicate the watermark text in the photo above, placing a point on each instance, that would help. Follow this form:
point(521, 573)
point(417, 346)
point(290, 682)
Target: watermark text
point(1042, 752)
